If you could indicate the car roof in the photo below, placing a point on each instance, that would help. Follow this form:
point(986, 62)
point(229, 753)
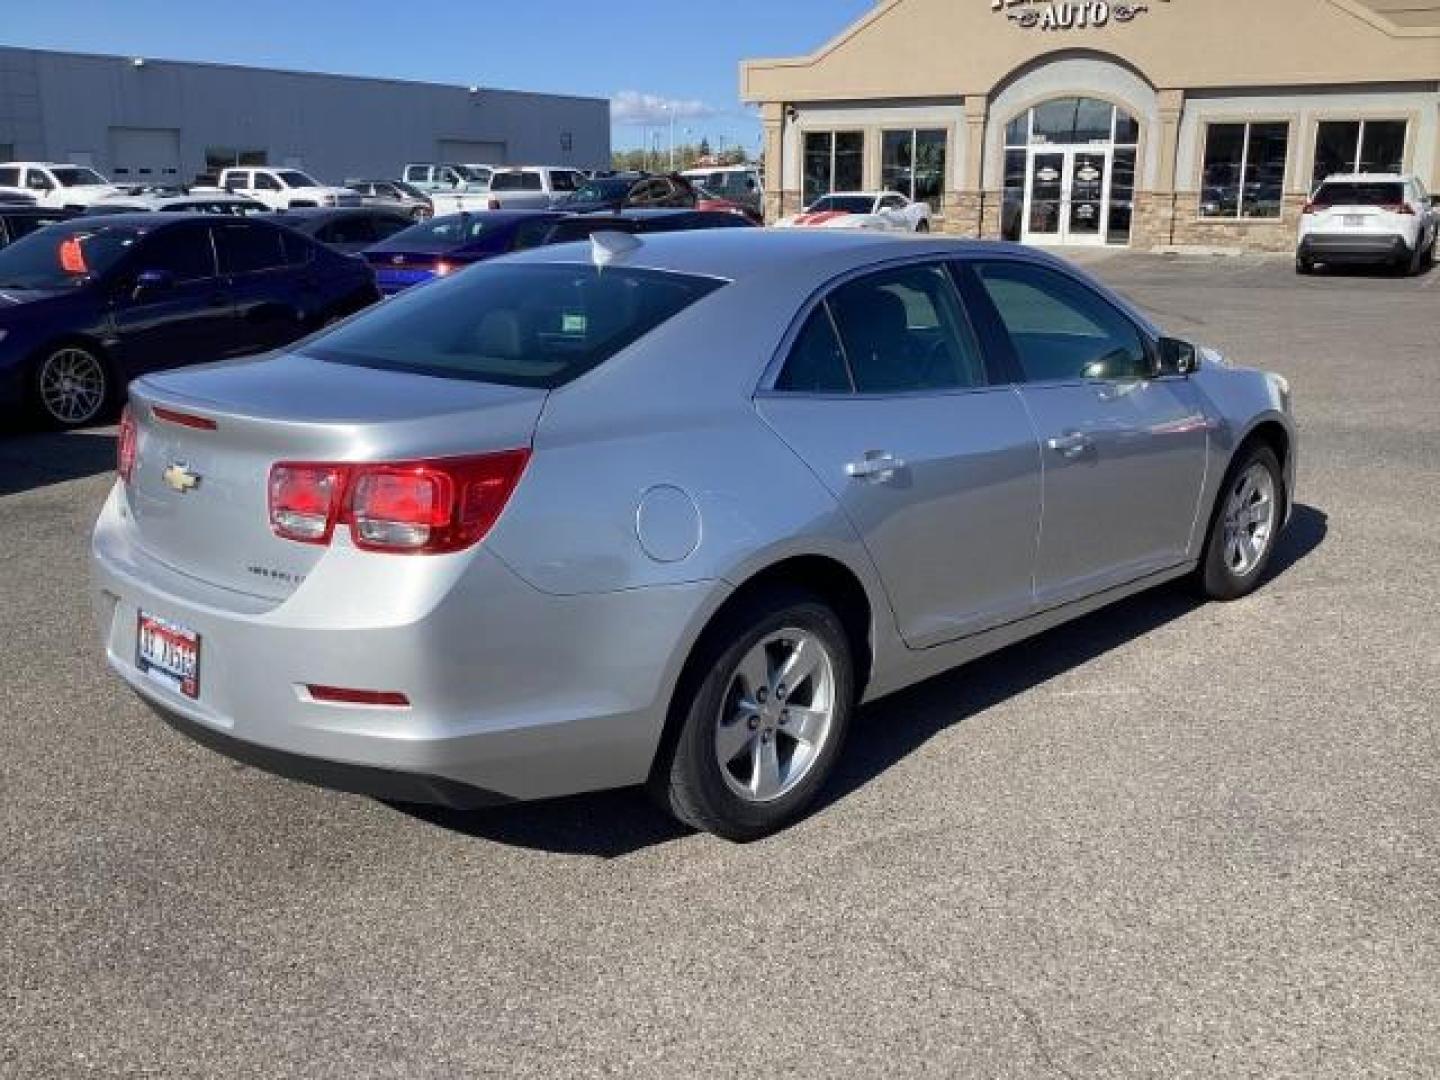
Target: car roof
point(735, 254)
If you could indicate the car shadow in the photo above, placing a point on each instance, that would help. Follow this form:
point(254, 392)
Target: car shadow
point(615, 823)
point(38, 459)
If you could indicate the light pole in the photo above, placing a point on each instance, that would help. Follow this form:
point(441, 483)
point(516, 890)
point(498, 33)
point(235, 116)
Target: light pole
point(670, 111)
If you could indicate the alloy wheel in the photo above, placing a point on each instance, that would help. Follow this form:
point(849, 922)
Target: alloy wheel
point(776, 716)
point(1249, 522)
point(72, 385)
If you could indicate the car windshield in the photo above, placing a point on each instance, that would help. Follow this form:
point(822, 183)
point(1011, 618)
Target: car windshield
point(1360, 194)
point(603, 190)
point(519, 325)
point(61, 258)
point(76, 176)
point(843, 204)
point(295, 178)
point(445, 232)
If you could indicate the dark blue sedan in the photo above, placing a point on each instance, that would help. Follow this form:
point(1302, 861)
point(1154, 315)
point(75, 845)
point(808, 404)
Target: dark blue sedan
point(89, 304)
point(443, 245)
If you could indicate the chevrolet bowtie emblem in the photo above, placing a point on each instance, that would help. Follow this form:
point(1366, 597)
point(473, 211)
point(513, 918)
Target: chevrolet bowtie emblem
point(180, 477)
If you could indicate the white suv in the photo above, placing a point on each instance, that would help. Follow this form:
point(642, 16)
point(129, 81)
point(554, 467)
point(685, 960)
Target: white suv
point(62, 187)
point(1368, 217)
point(285, 189)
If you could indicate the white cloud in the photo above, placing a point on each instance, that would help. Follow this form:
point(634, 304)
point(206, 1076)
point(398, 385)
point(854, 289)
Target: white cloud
point(633, 107)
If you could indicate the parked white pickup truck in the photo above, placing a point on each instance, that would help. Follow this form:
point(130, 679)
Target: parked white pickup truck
point(62, 187)
point(285, 189)
point(531, 188)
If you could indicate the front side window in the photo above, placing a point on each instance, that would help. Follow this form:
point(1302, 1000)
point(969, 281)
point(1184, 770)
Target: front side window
point(266, 182)
point(183, 251)
point(10, 177)
point(1061, 330)
point(515, 181)
point(913, 163)
point(1244, 173)
point(560, 180)
point(834, 161)
point(1358, 146)
point(36, 180)
point(843, 204)
point(248, 248)
point(903, 331)
point(294, 178)
point(76, 176)
point(538, 325)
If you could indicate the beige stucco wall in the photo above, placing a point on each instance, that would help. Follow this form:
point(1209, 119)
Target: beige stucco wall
point(1182, 64)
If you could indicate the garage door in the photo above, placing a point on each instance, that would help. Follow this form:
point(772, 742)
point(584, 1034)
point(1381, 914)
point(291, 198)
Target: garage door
point(144, 155)
point(466, 152)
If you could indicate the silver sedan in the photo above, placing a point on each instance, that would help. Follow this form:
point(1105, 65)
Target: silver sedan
point(664, 511)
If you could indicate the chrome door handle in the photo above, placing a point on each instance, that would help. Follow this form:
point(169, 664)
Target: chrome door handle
point(1070, 445)
point(877, 465)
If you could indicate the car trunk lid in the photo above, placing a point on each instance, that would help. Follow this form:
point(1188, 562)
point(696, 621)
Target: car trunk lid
point(208, 437)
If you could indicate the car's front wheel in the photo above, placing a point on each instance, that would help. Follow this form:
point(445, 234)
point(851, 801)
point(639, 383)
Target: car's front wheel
point(71, 386)
point(762, 716)
point(922, 227)
point(1244, 527)
point(1304, 265)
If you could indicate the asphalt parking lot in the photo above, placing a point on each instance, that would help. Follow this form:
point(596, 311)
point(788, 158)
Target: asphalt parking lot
point(1168, 840)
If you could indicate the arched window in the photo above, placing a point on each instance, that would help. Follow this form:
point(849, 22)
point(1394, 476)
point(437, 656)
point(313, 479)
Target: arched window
point(1072, 121)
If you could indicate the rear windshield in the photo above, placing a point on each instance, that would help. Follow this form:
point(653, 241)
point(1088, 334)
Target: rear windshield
point(444, 233)
point(520, 325)
point(60, 258)
point(1377, 194)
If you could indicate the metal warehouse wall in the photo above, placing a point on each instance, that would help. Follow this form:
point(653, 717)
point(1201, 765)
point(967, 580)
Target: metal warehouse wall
point(65, 106)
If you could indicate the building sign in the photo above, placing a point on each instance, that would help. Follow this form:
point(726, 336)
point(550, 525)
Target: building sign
point(1068, 14)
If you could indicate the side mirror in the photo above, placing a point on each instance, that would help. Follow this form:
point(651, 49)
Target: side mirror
point(152, 282)
point(1178, 357)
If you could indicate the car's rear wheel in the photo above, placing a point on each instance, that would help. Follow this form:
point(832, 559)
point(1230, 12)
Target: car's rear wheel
point(71, 387)
point(1304, 265)
point(762, 716)
point(922, 227)
point(1244, 526)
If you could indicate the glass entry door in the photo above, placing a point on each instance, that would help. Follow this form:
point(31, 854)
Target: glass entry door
point(1067, 195)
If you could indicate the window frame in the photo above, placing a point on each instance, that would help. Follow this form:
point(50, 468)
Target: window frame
point(833, 134)
point(994, 334)
point(1360, 122)
point(1245, 124)
point(997, 374)
point(915, 132)
point(178, 230)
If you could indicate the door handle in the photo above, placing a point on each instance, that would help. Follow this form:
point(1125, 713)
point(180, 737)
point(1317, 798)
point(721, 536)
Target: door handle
point(1070, 445)
point(876, 465)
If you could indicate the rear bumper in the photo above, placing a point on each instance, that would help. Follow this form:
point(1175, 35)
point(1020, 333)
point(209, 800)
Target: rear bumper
point(514, 693)
point(1350, 247)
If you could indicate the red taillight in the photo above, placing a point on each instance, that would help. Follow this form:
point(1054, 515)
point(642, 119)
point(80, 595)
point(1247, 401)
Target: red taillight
point(413, 507)
point(443, 268)
point(340, 695)
point(183, 419)
point(305, 501)
point(125, 443)
point(1401, 208)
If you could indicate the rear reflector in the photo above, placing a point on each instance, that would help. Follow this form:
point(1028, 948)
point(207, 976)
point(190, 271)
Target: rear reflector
point(339, 695)
point(184, 419)
point(125, 442)
point(426, 507)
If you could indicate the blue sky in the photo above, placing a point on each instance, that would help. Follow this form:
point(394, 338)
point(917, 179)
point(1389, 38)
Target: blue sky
point(676, 56)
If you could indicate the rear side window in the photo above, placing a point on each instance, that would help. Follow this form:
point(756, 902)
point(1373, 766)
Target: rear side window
point(417, 174)
point(358, 229)
point(1374, 194)
point(249, 248)
point(236, 181)
point(904, 331)
point(816, 364)
point(515, 181)
point(1062, 330)
point(520, 325)
point(9, 177)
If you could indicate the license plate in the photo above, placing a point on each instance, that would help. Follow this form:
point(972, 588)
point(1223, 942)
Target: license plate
point(1353, 221)
point(168, 653)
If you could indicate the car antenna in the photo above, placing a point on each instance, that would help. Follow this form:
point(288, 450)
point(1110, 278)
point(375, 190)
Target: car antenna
point(608, 245)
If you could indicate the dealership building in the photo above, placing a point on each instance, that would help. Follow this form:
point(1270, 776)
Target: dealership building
point(1167, 123)
point(144, 120)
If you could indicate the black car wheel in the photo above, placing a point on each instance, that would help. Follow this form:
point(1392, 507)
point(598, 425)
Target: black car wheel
point(71, 386)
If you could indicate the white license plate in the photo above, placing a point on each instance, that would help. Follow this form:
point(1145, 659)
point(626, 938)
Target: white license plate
point(1353, 221)
point(168, 653)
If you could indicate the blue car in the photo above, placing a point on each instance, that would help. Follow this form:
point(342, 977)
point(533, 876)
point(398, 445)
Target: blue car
point(443, 245)
point(88, 304)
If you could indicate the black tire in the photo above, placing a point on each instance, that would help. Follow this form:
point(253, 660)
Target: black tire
point(1303, 265)
point(1214, 578)
point(922, 227)
point(43, 404)
point(687, 779)
point(1416, 266)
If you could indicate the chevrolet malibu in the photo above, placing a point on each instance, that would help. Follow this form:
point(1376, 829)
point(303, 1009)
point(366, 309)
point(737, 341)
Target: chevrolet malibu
point(663, 511)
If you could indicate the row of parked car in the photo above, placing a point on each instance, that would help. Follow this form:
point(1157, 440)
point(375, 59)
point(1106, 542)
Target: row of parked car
point(90, 301)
